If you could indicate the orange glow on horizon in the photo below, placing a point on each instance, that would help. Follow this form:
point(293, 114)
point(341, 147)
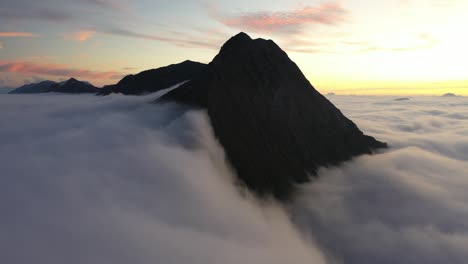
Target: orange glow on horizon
point(18, 34)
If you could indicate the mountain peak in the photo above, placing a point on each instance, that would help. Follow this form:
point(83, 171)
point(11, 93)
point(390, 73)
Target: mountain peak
point(275, 127)
point(243, 44)
point(240, 37)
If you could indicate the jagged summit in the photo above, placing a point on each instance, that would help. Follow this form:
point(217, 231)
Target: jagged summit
point(275, 127)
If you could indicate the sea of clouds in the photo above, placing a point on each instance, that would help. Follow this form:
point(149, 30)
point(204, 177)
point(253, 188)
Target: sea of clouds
point(408, 204)
point(116, 179)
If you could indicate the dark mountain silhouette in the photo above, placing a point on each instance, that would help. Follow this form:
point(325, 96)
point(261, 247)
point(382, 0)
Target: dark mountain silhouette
point(154, 80)
point(402, 99)
point(40, 87)
point(275, 127)
point(449, 95)
point(70, 86)
point(74, 86)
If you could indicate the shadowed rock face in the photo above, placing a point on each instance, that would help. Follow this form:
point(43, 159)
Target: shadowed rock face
point(154, 80)
point(274, 126)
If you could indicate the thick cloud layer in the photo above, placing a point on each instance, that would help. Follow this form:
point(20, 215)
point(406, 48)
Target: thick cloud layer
point(115, 179)
point(407, 205)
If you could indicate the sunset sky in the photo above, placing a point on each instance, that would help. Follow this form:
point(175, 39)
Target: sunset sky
point(346, 47)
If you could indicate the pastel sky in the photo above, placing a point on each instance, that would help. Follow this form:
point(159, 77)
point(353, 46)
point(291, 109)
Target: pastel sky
point(342, 46)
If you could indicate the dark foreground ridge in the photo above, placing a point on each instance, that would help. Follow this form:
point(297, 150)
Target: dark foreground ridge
point(275, 127)
point(72, 86)
point(154, 80)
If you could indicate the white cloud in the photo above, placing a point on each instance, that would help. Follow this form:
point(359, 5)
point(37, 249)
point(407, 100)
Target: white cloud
point(114, 179)
point(406, 205)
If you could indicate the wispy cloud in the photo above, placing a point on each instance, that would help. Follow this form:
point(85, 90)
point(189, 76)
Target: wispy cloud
point(1, 45)
point(341, 46)
point(422, 41)
point(329, 13)
point(18, 34)
point(109, 4)
point(80, 36)
point(427, 42)
point(183, 41)
point(33, 13)
point(60, 70)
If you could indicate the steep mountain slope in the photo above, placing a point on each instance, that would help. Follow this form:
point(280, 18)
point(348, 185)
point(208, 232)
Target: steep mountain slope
point(275, 127)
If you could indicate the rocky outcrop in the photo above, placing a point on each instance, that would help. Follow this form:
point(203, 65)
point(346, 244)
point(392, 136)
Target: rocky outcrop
point(154, 80)
point(276, 129)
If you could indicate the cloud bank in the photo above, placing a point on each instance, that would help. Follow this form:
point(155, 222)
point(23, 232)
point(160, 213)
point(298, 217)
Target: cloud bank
point(115, 179)
point(407, 205)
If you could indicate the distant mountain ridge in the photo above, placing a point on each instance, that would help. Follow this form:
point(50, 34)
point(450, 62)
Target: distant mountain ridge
point(155, 79)
point(40, 87)
point(145, 82)
point(70, 86)
point(74, 86)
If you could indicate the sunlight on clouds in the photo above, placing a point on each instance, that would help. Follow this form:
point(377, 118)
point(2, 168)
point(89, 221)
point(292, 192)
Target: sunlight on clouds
point(407, 205)
point(340, 45)
point(115, 179)
point(80, 36)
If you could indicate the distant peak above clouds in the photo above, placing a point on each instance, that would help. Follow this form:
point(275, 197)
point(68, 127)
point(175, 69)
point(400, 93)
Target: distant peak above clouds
point(71, 85)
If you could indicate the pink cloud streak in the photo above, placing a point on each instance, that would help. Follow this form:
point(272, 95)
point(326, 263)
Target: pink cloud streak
point(183, 41)
point(18, 34)
point(56, 70)
point(80, 36)
point(329, 13)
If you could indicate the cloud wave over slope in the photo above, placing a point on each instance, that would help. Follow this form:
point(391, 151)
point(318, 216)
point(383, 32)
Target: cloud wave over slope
point(115, 179)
